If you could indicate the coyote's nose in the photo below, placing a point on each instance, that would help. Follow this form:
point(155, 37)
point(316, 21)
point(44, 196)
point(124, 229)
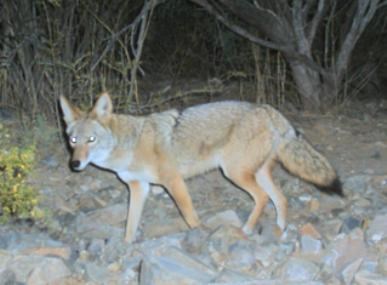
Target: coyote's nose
point(75, 164)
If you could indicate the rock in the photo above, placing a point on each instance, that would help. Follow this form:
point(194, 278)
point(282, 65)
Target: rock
point(310, 245)
point(90, 227)
point(89, 201)
point(310, 240)
point(378, 228)
point(349, 271)
point(18, 242)
point(194, 240)
point(23, 265)
point(383, 264)
point(370, 265)
point(62, 252)
point(227, 217)
point(331, 228)
point(97, 273)
point(266, 254)
point(329, 204)
point(7, 277)
point(369, 278)
point(172, 266)
point(96, 247)
point(350, 223)
point(115, 248)
point(310, 231)
point(220, 242)
point(232, 277)
point(5, 257)
point(297, 269)
point(357, 183)
point(269, 282)
point(382, 246)
point(48, 271)
point(345, 249)
point(165, 227)
point(271, 232)
point(114, 267)
point(360, 203)
point(111, 215)
point(314, 205)
point(241, 257)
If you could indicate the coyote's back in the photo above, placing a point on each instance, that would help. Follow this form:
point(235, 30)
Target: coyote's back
point(245, 140)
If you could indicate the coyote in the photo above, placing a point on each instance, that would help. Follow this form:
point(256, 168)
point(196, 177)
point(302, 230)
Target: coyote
point(245, 140)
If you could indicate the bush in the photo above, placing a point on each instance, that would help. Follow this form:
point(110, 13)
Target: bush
point(17, 199)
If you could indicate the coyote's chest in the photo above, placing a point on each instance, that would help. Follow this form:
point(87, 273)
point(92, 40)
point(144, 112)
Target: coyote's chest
point(138, 175)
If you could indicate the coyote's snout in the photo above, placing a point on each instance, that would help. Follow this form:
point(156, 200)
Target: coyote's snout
point(245, 140)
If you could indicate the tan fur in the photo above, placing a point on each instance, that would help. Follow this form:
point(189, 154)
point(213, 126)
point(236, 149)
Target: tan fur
point(243, 139)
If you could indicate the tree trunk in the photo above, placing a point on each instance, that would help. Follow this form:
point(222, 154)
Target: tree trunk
point(308, 85)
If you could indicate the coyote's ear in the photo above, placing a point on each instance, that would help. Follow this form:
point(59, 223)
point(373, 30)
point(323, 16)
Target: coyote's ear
point(70, 113)
point(103, 107)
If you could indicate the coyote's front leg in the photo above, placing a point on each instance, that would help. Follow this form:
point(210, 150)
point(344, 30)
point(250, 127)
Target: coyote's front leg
point(176, 186)
point(138, 193)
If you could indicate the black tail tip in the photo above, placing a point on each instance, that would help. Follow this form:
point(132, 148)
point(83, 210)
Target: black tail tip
point(336, 187)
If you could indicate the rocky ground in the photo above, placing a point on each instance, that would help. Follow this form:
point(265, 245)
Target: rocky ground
point(329, 240)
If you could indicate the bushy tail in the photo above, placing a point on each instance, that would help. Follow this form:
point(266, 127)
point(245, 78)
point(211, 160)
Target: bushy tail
point(302, 160)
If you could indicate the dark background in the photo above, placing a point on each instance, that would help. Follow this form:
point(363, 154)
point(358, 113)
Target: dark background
point(178, 54)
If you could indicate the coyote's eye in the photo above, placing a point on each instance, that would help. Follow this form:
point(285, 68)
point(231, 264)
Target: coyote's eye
point(73, 140)
point(91, 139)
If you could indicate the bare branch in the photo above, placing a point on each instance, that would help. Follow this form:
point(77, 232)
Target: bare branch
point(267, 21)
point(289, 51)
point(364, 13)
point(114, 37)
point(316, 21)
point(238, 29)
point(298, 20)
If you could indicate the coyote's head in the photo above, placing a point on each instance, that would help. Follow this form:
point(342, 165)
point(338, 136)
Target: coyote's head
point(89, 135)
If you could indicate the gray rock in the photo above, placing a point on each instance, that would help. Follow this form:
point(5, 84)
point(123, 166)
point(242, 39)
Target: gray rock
point(270, 282)
point(194, 241)
point(369, 278)
point(297, 269)
point(350, 223)
point(357, 183)
point(227, 217)
point(102, 223)
point(310, 245)
point(17, 241)
point(220, 242)
point(48, 271)
point(7, 277)
point(233, 277)
point(266, 254)
point(241, 257)
point(383, 264)
point(172, 266)
point(349, 271)
point(378, 228)
point(96, 247)
point(5, 257)
point(159, 228)
point(111, 215)
point(115, 248)
point(97, 273)
point(23, 265)
point(345, 249)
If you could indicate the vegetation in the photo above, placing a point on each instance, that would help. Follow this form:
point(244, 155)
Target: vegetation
point(309, 52)
point(17, 198)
